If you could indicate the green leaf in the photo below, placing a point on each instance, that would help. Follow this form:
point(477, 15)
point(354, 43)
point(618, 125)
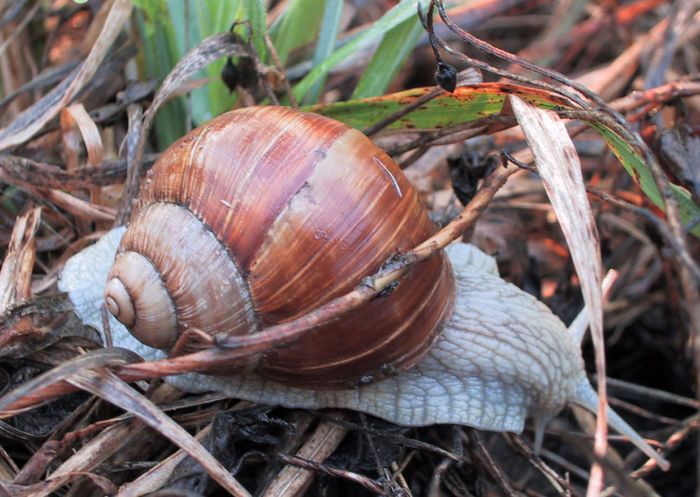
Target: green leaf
point(465, 105)
point(640, 172)
point(468, 104)
point(325, 43)
point(299, 26)
point(392, 53)
point(398, 14)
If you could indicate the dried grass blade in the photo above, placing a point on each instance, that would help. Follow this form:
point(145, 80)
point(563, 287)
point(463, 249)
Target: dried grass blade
point(292, 480)
point(30, 121)
point(76, 206)
point(16, 278)
point(560, 169)
point(89, 456)
point(75, 118)
point(19, 171)
point(37, 386)
point(109, 387)
point(158, 475)
point(49, 485)
point(16, 272)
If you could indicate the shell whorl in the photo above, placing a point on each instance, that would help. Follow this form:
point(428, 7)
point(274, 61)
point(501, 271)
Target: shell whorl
point(136, 296)
point(300, 208)
point(167, 243)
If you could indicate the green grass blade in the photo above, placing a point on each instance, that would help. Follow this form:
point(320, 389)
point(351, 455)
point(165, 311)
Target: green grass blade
point(398, 14)
point(299, 26)
point(640, 172)
point(253, 11)
point(487, 99)
point(391, 55)
point(217, 17)
point(158, 56)
point(325, 44)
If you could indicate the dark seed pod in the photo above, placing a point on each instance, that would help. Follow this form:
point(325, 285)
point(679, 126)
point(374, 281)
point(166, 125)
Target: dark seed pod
point(446, 76)
point(230, 75)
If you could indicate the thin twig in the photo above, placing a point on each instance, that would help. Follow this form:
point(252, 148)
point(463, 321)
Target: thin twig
point(368, 483)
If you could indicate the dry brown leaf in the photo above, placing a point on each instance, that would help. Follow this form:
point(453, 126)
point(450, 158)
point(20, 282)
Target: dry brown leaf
point(560, 169)
point(109, 387)
point(31, 120)
point(74, 120)
point(16, 272)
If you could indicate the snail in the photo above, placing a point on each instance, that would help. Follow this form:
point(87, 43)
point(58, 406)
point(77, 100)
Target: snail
point(265, 213)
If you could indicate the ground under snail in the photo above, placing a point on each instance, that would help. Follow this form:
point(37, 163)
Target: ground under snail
point(282, 211)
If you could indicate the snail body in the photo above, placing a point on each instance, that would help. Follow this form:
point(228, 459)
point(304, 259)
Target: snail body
point(477, 351)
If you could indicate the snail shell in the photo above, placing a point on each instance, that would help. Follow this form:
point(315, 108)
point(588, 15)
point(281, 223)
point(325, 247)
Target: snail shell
point(264, 214)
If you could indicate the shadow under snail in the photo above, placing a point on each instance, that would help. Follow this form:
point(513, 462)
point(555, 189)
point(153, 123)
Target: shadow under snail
point(265, 213)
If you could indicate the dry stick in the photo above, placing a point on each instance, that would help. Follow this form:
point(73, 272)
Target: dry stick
point(690, 426)
point(652, 219)
point(613, 119)
point(561, 485)
point(483, 66)
point(318, 447)
point(606, 116)
point(429, 139)
point(399, 440)
point(438, 472)
point(659, 95)
point(679, 20)
point(654, 393)
point(489, 464)
point(660, 226)
point(366, 482)
point(157, 476)
point(104, 384)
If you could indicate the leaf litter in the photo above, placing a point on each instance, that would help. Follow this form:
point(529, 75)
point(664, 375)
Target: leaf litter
point(69, 165)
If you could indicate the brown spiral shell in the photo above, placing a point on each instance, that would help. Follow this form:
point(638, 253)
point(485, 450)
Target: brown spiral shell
point(262, 215)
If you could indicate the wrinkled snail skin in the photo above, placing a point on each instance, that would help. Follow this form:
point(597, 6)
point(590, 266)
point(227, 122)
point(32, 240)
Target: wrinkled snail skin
point(281, 221)
point(262, 215)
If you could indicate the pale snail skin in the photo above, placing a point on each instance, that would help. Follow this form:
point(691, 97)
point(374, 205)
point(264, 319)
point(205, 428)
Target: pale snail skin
point(502, 355)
